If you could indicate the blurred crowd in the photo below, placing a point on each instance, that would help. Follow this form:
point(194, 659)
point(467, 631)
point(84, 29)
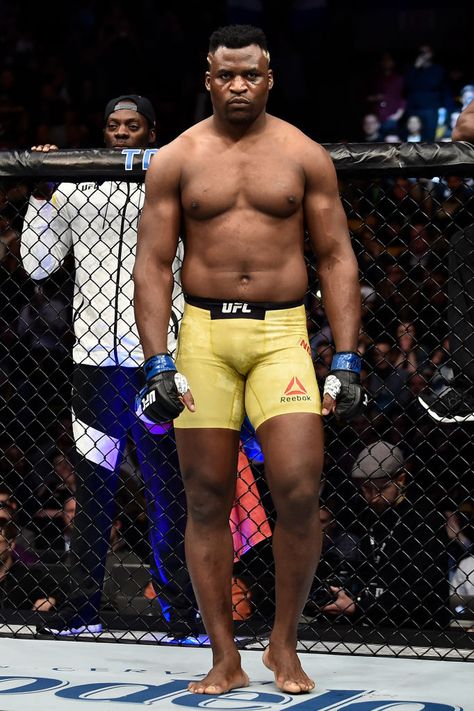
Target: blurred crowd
point(56, 76)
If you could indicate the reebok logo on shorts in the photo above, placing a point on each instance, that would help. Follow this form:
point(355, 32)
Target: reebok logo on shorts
point(295, 391)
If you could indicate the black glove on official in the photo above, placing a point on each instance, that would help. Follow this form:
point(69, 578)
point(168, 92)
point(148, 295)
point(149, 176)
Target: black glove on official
point(343, 385)
point(159, 401)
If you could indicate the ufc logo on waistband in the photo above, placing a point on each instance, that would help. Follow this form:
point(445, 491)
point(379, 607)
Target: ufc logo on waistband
point(233, 307)
point(148, 399)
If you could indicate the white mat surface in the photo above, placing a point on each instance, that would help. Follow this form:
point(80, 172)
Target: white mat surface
point(52, 675)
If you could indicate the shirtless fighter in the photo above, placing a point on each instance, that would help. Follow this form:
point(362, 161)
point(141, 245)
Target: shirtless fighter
point(242, 186)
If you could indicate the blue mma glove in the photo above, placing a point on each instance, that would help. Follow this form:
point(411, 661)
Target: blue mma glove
point(343, 385)
point(160, 399)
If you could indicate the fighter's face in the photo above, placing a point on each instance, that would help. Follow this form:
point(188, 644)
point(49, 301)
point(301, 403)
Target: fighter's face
point(127, 129)
point(239, 81)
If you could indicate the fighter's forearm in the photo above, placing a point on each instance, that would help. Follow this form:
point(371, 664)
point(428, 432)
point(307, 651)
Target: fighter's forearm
point(341, 299)
point(152, 303)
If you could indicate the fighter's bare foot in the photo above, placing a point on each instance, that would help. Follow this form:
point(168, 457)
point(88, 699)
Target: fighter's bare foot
point(223, 677)
point(289, 674)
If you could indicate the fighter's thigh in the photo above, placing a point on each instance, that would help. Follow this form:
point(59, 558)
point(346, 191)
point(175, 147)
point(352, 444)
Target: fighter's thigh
point(208, 463)
point(293, 449)
point(216, 387)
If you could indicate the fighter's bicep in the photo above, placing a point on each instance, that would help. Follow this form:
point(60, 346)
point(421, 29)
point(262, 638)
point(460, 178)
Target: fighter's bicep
point(325, 218)
point(158, 232)
point(158, 229)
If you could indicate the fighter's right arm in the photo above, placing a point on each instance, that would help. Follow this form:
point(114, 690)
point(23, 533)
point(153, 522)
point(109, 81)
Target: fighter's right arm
point(166, 392)
point(157, 243)
point(464, 128)
point(46, 237)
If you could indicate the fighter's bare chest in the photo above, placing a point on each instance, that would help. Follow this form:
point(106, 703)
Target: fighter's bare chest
point(264, 183)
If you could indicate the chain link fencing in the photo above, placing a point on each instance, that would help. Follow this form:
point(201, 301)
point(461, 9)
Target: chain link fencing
point(92, 510)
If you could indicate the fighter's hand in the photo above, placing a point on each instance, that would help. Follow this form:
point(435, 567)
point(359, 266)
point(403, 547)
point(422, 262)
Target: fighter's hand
point(166, 392)
point(188, 400)
point(343, 394)
point(45, 148)
point(329, 403)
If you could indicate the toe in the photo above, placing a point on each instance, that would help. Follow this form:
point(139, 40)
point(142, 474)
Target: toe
point(195, 689)
point(213, 689)
point(295, 687)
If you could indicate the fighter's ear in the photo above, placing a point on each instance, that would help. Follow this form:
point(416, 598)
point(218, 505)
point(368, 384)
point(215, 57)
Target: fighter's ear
point(207, 81)
point(270, 79)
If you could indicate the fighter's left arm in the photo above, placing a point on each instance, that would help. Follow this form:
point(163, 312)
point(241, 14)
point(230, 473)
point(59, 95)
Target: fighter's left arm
point(337, 266)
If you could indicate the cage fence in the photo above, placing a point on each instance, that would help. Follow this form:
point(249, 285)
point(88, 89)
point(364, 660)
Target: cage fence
point(92, 510)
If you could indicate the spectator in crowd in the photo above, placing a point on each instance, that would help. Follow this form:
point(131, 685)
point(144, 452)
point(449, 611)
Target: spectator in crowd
point(58, 484)
point(43, 348)
point(413, 129)
point(23, 587)
point(454, 402)
point(98, 221)
point(371, 128)
point(419, 254)
point(403, 579)
point(426, 91)
point(53, 524)
point(387, 382)
point(24, 541)
point(388, 96)
point(340, 560)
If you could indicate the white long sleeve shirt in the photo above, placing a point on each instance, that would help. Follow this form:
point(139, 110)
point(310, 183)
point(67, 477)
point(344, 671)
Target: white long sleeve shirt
point(99, 223)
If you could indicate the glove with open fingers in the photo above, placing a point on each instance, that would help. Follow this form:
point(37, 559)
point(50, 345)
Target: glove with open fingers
point(343, 385)
point(160, 400)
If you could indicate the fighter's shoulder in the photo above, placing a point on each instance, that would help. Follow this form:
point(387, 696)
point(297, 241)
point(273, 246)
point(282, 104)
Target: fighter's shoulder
point(304, 148)
point(172, 156)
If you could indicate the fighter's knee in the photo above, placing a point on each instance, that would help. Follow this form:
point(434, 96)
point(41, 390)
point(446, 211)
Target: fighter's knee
point(207, 502)
point(299, 505)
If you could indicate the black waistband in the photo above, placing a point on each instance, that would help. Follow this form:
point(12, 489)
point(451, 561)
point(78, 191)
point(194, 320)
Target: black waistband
point(218, 308)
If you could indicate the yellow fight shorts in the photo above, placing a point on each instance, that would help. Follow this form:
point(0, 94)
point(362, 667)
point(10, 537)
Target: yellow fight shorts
point(245, 357)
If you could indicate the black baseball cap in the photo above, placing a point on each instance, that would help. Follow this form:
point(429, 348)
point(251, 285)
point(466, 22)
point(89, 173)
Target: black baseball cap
point(132, 102)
